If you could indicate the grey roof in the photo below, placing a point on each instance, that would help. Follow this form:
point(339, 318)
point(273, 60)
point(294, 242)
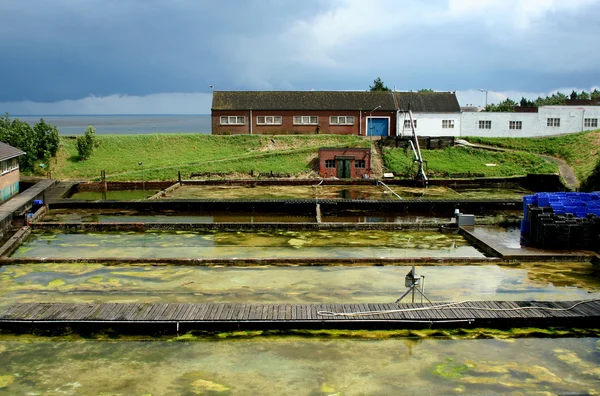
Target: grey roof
point(8, 151)
point(428, 102)
point(434, 102)
point(302, 100)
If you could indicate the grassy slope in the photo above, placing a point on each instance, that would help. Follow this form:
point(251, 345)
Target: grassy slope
point(580, 150)
point(460, 160)
point(164, 155)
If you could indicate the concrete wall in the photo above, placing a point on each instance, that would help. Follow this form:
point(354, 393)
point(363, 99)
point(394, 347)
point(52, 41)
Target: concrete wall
point(431, 124)
point(534, 124)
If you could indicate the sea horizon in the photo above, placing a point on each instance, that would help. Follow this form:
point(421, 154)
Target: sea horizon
point(123, 124)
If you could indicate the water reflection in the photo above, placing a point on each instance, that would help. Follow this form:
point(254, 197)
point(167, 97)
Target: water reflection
point(290, 285)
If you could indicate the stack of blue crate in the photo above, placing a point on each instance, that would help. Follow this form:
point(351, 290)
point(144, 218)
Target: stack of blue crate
point(563, 220)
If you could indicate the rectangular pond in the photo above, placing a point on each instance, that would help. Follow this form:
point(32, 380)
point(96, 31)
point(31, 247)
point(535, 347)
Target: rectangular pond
point(298, 366)
point(112, 195)
point(246, 244)
point(368, 192)
point(132, 216)
point(98, 283)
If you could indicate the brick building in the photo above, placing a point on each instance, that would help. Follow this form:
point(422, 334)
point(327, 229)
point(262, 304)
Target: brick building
point(360, 113)
point(9, 180)
point(344, 163)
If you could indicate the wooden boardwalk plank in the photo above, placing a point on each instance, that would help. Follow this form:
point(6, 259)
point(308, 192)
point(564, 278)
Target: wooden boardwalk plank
point(500, 312)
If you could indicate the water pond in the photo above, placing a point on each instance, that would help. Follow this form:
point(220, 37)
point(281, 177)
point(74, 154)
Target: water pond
point(299, 366)
point(291, 285)
point(246, 244)
point(112, 195)
point(368, 192)
point(131, 216)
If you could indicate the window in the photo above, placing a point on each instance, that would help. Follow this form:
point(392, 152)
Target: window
point(360, 164)
point(553, 122)
point(407, 123)
point(5, 166)
point(515, 124)
point(269, 120)
point(448, 124)
point(329, 163)
point(485, 124)
point(590, 122)
point(233, 120)
point(341, 120)
point(306, 120)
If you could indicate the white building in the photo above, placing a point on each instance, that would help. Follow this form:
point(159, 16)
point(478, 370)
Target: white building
point(548, 121)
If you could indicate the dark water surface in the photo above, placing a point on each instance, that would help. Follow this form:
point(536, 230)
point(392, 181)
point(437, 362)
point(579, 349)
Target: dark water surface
point(125, 124)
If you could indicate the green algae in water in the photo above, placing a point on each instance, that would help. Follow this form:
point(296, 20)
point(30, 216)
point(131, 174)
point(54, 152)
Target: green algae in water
point(247, 244)
point(299, 366)
point(76, 282)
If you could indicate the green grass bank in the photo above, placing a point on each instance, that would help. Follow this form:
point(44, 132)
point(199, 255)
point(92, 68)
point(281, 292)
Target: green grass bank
point(163, 155)
point(580, 150)
point(462, 161)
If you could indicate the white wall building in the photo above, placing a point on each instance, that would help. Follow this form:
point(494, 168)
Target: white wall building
point(548, 121)
point(432, 124)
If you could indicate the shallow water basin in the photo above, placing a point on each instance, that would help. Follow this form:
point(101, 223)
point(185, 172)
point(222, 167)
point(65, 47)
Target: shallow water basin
point(299, 366)
point(246, 244)
point(112, 195)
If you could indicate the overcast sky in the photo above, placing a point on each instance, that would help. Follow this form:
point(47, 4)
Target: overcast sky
point(159, 56)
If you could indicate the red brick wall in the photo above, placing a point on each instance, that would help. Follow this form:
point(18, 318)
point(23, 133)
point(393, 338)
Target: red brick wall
point(288, 127)
point(9, 178)
point(358, 153)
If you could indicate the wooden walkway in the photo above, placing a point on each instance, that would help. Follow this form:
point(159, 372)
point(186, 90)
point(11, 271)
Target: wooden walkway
point(174, 318)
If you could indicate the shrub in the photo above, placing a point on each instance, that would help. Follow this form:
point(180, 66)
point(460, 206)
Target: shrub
point(87, 143)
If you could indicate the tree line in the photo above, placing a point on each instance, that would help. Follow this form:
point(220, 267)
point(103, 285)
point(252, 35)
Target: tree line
point(556, 99)
point(39, 142)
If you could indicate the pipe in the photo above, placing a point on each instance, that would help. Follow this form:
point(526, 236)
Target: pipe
point(251, 122)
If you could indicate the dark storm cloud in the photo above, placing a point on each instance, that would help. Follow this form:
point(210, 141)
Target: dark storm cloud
point(72, 49)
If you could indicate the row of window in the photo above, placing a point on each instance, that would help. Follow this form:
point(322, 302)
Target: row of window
point(361, 164)
point(278, 120)
point(311, 120)
point(349, 120)
point(9, 165)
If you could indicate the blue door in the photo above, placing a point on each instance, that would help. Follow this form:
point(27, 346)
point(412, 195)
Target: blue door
point(378, 127)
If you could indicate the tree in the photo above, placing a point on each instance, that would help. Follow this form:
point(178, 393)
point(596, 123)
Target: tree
point(595, 95)
point(39, 143)
point(505, 106)
point(47, 139)
point(584, 96)
point(574, 95)
point(526, 103)
point(425, 90)
point(378, 86)
point(87, 143)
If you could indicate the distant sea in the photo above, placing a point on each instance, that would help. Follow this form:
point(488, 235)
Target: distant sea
point(124, 124)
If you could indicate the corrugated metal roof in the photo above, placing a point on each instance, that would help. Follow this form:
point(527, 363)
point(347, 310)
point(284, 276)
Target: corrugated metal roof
point(7, 151)
point(427, 102)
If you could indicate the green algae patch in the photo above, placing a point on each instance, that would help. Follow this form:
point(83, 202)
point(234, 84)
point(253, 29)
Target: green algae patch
point(6, 380)
point(201, 386)
point(56, 283)
point(448, 334)
point(449, 369)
